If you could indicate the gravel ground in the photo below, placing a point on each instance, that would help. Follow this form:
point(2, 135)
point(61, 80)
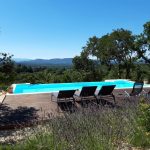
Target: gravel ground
point(13, 136)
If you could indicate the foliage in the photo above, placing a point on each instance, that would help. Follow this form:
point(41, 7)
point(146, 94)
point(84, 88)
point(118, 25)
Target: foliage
point(7, 73)
point(114, 48)
point(142, 43)
point(144, 116)
point(141, 132)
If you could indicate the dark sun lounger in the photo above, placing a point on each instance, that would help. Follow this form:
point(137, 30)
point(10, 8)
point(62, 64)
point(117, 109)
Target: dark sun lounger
point(106, 92)
point(136, 91)
point(87, 94)
point(64, 96)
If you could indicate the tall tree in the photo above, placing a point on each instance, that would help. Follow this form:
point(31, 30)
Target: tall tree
point(114, 48)
point(142, 43)
point(123, 50)
point(6, 68)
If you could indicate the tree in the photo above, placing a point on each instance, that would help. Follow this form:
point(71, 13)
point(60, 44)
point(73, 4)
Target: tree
point(114, 48)
point(83, 62)
point(6, 68)
point(123, 50)
point(142, 43)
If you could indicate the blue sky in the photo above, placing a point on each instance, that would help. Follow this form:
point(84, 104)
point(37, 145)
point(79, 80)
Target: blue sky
point(60, 28)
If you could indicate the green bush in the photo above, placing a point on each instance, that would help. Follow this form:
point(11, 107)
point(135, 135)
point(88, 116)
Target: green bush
point(144, 116)
point(141, 134)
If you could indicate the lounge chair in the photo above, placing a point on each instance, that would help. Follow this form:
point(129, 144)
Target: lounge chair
point(64, 96)
point(87, 94)
point(106, 92)
point(136, 91)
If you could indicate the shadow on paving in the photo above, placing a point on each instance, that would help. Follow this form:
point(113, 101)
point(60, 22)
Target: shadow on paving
point(18, 116)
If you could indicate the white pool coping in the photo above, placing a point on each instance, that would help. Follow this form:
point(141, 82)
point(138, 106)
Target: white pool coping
point(108, 80)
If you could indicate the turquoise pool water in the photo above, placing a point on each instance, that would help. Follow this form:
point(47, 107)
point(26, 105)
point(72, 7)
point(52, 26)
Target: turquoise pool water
point(53, 87)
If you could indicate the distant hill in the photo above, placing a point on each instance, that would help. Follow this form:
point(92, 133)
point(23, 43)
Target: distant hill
point(21, 59)
point(46, 62)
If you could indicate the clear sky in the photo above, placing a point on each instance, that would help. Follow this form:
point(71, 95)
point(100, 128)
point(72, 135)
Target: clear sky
point(60, 28)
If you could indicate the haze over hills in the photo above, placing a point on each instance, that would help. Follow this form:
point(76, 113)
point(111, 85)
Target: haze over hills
point(21, 59)
point(44, 62)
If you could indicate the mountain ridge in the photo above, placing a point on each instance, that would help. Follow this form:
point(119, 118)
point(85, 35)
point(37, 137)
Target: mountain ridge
point(44, 62)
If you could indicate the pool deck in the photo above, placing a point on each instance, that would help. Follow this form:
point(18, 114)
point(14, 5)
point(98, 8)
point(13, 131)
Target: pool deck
point(31, 108)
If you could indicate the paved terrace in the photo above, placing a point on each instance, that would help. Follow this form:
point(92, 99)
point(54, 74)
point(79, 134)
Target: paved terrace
point(26, 109)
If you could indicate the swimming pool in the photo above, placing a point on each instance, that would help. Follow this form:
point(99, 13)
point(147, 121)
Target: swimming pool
point(55, 87)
